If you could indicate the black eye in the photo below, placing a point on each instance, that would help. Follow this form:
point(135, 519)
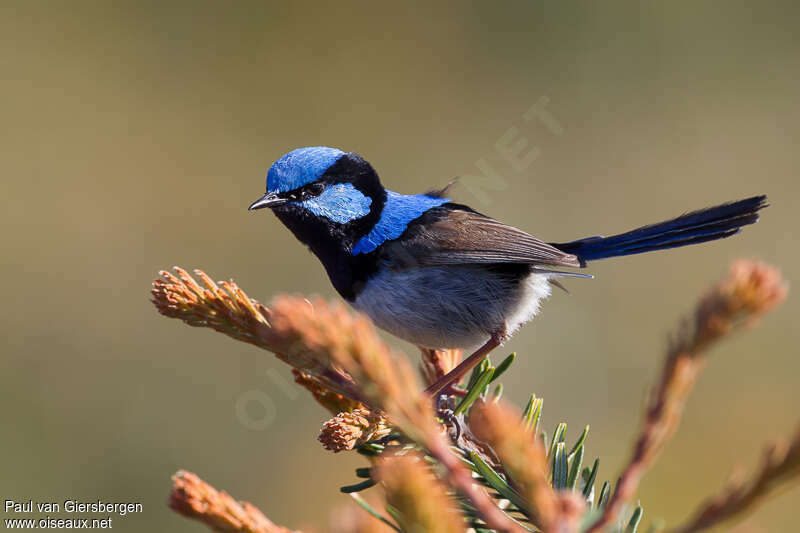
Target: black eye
point(309, 191)
point(315, 189)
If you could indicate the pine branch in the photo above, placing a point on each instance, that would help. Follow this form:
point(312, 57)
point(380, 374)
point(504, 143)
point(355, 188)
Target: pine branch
point(421, 500)
point(230, 311)
point(194, 498)
point(338, 348)
point(779, 468)
point(378, 402)
point(749, 291)
point(522, 456)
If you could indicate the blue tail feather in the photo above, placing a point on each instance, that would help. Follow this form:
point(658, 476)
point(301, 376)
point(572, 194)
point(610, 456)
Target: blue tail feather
point(704, 225)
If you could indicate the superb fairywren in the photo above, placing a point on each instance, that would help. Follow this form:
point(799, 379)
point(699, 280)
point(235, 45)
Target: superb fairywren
point(440, 274)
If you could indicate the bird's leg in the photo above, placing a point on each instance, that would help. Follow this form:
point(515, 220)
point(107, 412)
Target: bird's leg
point(467, 364)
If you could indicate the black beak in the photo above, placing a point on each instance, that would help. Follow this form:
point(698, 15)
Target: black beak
point(268, 200)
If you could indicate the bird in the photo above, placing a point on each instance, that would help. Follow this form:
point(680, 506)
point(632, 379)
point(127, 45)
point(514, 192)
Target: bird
point(438, 273)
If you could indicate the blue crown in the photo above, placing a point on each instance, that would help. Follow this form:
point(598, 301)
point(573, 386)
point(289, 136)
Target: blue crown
point(300, 167)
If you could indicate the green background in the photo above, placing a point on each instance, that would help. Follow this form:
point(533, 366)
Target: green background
point(134, 135)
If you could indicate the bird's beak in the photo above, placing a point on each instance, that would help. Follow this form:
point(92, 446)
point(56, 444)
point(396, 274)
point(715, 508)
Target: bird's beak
point(268, 200)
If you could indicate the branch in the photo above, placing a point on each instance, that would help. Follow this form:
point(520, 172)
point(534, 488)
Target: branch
point(422, 499)
point(194, 498)
point(387, 382)
point(749, 291)
point(780, 467)
point(522, 456)
point(339, 349)
point(230, 311)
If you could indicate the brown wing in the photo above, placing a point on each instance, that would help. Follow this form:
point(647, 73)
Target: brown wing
point(459, 236)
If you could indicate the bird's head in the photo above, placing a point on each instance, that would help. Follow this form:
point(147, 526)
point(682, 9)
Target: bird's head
point(328, 198)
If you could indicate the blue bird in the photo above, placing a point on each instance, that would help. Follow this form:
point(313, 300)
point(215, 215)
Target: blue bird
point(438, 273)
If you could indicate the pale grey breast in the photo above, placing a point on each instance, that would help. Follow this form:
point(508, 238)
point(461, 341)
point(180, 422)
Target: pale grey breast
point(457, 306)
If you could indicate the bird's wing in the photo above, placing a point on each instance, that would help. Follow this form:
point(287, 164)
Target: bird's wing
point(454, 234)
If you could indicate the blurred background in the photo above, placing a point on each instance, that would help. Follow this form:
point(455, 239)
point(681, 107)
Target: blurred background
point(135, 134)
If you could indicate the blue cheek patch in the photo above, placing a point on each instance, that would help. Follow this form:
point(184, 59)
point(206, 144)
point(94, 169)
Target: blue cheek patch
point(398, 212)
point(340, 203)
point(300, 167)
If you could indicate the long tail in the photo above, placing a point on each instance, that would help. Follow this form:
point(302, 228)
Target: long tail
point(704, 225)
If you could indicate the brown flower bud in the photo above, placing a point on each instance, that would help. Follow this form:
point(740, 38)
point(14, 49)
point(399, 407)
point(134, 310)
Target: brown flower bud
point(348, 430)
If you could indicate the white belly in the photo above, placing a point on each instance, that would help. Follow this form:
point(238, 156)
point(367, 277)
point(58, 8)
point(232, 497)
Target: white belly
point(453, 307)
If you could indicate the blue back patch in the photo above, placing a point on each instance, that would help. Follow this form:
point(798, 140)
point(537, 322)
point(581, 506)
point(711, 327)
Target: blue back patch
point(340, 202)
point(300, 167)
point(398, 212)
